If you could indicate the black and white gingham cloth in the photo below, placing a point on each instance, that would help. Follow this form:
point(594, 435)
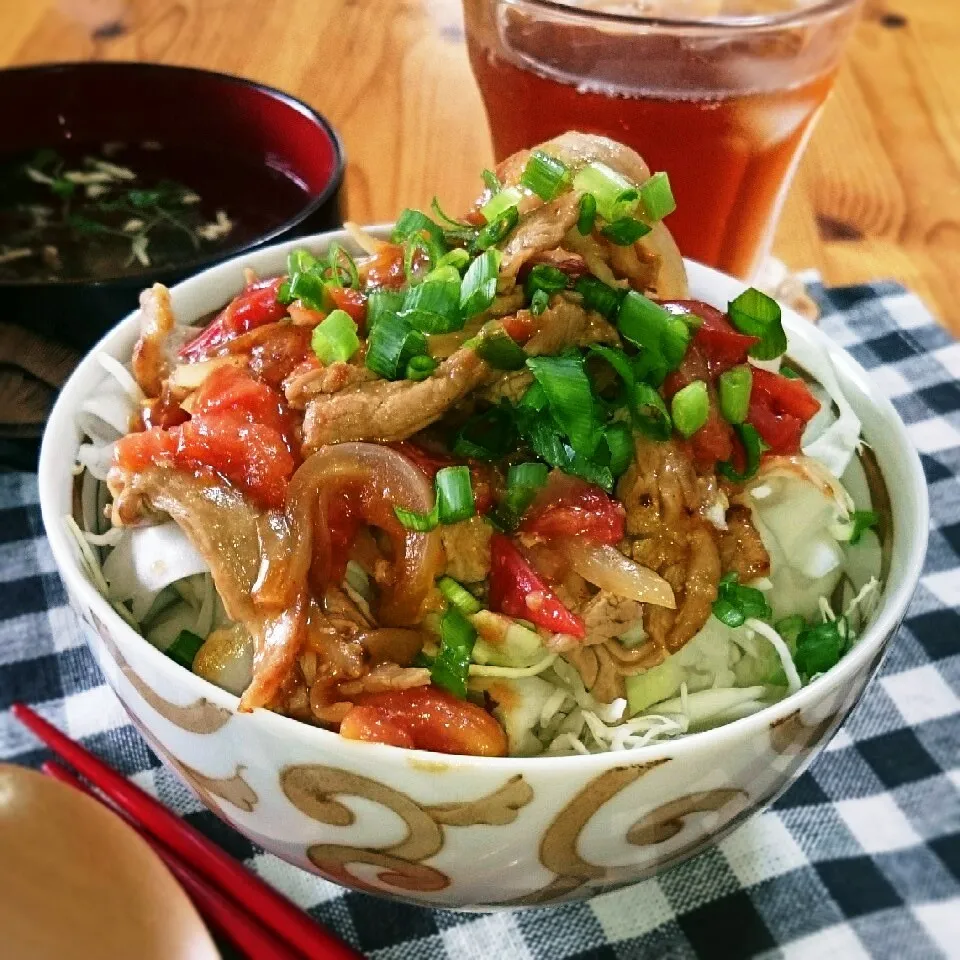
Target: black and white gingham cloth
point(861, 858)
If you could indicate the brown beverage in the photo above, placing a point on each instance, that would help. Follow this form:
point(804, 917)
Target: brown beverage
point(725, 110)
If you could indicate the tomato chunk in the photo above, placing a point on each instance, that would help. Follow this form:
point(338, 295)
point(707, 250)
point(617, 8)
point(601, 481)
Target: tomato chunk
point(256, 306)
point(425, 718)
point(517, 590)
point(350, 301)
point(780, 408)
point(239, 429)
point(570, 507)
point(722, 345)
point(252, 456)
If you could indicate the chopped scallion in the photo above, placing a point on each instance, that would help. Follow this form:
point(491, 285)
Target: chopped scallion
point(523, 482)
point(650, 413)
point(615, 196)
point(588, 214)
point(451, 666)
point(821, 646)
point(656, 197)
point(661, 337)
point(479, 286)
point(734, 388)
point(500, 350)
point(539, 302)
point(618, 440)
point(861, 521)
point(500, 203)
point(491, 181)
point(598, 296)
point(433, 306)
point(185, 648)
point(735, 604)
point(335, 337)
point(497, 230)
point(309, 288)
point(758, 315)
point(690, 408)
point(490, 435)
point(341, 268)
point(625, 231)
point(420, 367)
point(454, 494)
point(457, 595)
point(391, 343)
point(381, 303)
point(753, 446)
point(570, 396)
point(546, 277)
point(544, 175)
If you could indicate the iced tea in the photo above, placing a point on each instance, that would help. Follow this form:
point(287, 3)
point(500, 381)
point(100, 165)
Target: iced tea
point(725, 110)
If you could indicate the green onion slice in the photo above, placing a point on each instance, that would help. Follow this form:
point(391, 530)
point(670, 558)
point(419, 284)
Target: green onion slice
point(490, 435)
point(650, 413)
point(335, 337)
point(454, 494)
point(495, 231)
point(523, 482)
point(753, 446)
point(433, 306)
point(570, 396)
point(382, 303)
point(451, 666)
point(735, 604)
point(458, 258)
point(758, 315)
point(625, 231)
point(615, 196)
point(547, 278)
point(544, 175)
point(821, 646)
point(500, 203)
point(734, 387)
point(341, 268)
point(618, 440)
point(491, 181)
point(500, 350)
point(457, 595)
point(656, 197)
point(588, 214)
point(599, 296)
point(661, 337)
point(861, 521)
point(300, 261)
point(391, 344)
point(479, 286)
point(308, 287)
point(420, 367)
point(690, 408)
point(185, 648)
point(539, 302)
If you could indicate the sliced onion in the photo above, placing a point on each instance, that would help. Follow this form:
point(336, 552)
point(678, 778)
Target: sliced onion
point(374, 478)
point(606, 567)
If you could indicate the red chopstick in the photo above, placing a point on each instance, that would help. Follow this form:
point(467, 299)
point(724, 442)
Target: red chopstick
point(273, 910)
point(221, 912)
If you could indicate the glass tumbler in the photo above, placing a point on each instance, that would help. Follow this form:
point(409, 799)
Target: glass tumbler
point(722, 94)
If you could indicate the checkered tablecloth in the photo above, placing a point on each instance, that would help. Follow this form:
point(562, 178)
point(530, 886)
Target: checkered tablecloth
point(860, 858)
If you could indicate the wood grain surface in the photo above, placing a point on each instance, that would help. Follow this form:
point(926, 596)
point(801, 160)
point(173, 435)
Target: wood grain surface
point(877, 194)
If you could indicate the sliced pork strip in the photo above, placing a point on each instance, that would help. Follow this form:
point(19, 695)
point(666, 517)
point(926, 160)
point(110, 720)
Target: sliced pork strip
point(386, 411)
point(228, 531)
point(152, 355)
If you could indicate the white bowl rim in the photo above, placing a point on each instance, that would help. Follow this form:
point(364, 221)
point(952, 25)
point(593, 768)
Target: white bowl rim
point(54, 471)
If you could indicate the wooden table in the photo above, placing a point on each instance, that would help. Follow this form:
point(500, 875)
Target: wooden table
point(877, 195)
